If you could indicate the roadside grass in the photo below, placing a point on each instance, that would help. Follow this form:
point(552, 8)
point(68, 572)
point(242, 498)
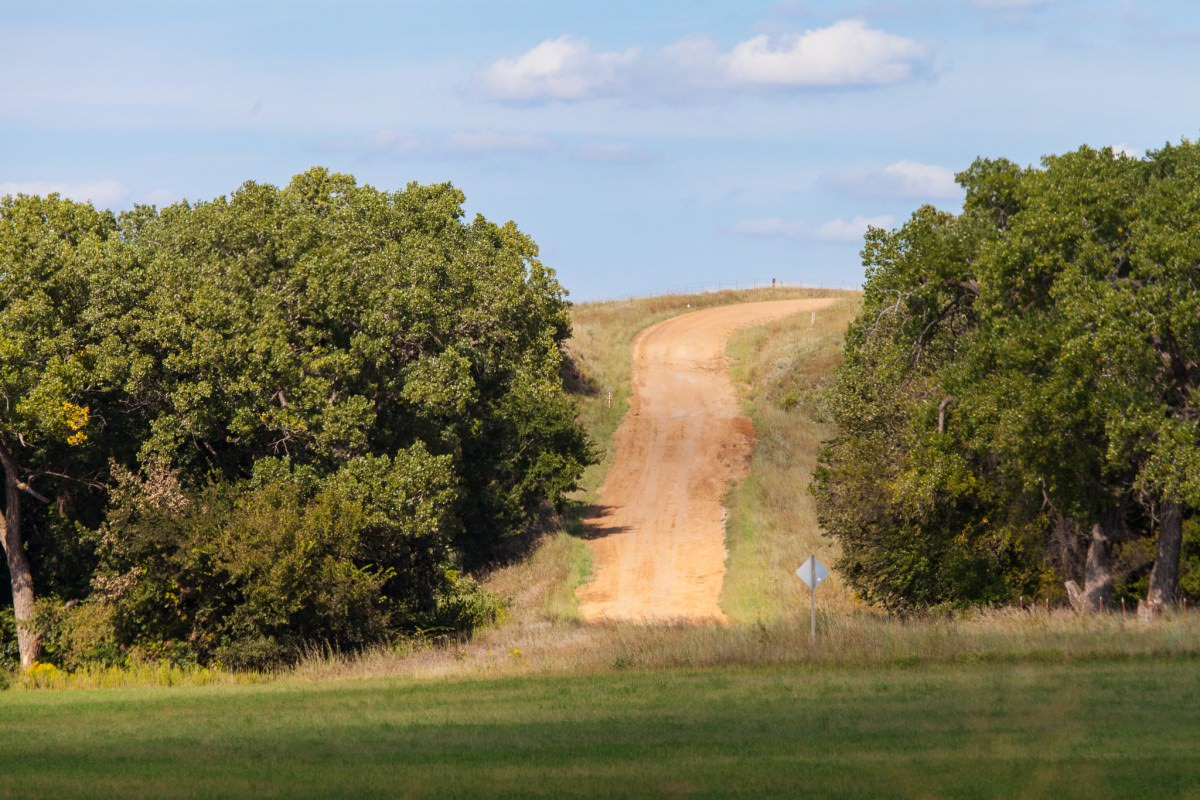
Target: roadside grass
point(1124, 728)
point(779, 371)
point(860, 640)
point(540, 591)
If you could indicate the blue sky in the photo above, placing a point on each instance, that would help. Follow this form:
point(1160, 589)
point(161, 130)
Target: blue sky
point(646, 145)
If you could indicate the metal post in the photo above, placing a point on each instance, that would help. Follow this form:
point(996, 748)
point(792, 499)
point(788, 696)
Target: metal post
point(812, 595)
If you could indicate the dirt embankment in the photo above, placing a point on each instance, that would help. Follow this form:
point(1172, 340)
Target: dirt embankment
point(657, 533)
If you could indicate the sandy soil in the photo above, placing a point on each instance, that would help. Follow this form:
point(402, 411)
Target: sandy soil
point(657, 532)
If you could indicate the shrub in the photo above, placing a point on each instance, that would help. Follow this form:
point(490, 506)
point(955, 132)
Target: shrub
point(252, 574)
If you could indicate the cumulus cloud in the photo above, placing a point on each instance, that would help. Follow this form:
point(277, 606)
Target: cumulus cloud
point(105, 194)
point(839, 229)
point(847, 54)
point(910, 180)
point(557, 69)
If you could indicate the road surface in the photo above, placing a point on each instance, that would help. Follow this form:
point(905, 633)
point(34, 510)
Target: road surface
point(657, 532)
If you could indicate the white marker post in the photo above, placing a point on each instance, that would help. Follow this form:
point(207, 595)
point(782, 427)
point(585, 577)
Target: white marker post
point(812, 572)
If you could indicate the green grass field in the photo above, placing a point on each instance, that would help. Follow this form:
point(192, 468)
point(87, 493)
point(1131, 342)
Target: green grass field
point(1100, 729)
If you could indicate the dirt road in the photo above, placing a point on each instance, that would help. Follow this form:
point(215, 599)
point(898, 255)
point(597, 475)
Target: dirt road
point(658, 531)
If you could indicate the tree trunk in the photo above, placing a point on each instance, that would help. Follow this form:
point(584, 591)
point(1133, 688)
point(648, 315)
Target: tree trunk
point(1164, 578)
point(1097, 572)
point(28, 641)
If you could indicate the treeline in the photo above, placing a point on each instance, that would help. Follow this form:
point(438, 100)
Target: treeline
point(286, 419)
point(1018, 414)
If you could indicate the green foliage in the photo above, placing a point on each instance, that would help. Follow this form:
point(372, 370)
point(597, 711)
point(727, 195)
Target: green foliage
point(331, 321)
point(10, 658)
point(292, 415)
point(59, 370)
point(1189, 569)
point(1021, 372)
point(77, 635)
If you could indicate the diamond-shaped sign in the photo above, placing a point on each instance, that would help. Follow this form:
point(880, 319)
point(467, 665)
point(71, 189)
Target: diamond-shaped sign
point(812, 572)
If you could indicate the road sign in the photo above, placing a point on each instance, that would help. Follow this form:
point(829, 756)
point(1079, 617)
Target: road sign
point(812, 572)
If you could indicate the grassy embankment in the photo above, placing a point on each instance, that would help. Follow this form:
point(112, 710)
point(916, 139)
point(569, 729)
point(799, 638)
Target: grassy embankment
point(779, 371)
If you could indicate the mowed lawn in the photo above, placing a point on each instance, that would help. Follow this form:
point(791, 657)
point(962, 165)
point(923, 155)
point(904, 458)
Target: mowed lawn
point(1100, 729)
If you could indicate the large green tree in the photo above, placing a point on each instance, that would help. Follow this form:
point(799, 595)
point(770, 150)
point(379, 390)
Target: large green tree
point(368, 368)
point(1032, 373)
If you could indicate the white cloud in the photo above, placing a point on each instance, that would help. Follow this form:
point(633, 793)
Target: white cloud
point(385, 142)
point(162, 197)
point(1127, 150)
point(911, 180)
point(486, 142)
point(557, 69)
point(914, 179)
point(847, 53)
point(849, 230)
point(844, 55)
point(611, 153)
point(104, 194)
point(839, 229)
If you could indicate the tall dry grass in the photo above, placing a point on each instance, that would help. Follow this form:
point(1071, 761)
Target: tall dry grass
point(780, 370)
point(844, 641)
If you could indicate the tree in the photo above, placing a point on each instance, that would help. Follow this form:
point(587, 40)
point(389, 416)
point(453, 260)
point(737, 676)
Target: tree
point(328, 325)
point(1049, 338)
point(276, 355)
point(58, 422)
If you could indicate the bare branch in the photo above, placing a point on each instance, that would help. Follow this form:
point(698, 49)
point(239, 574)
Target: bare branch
point(25, 487)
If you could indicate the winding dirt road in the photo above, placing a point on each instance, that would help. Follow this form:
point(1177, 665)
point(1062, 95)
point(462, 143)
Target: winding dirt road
point(657, 533)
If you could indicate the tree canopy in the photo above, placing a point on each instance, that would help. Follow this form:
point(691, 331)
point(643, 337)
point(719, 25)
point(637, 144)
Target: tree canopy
point(1020, 401)
point(282, 418)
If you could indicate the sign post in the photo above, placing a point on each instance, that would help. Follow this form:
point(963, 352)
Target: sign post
point(812, 572)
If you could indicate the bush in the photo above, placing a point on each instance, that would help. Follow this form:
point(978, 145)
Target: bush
point(75, 635)
point(253, 574)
